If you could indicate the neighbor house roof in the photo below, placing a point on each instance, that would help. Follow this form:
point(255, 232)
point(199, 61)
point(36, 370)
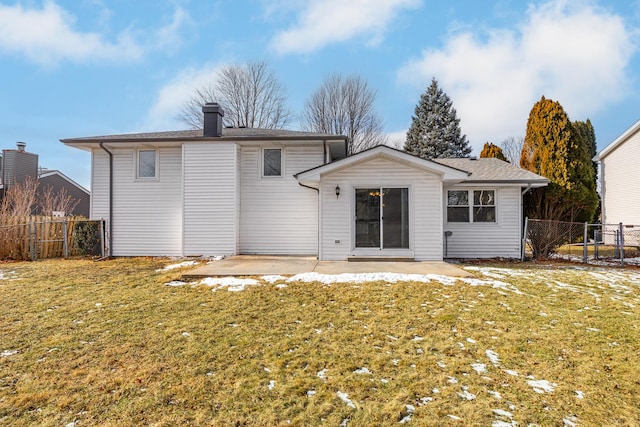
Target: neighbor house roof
point(45, 173)
point(492, 170)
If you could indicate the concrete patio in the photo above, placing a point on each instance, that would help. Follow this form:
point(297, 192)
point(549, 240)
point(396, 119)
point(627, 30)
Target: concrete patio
point(260, 265)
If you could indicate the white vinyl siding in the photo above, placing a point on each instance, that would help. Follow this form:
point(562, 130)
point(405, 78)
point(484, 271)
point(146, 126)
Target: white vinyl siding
point(425, 207)
point(620, 185)
point(99, 184)
point(277, 215)
point(147, 214)
point(488, 239)
point(210, 198)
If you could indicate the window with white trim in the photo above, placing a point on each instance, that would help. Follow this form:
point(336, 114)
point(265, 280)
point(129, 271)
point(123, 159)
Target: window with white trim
point(471, 206)
point(272, 162)
point(147, 166)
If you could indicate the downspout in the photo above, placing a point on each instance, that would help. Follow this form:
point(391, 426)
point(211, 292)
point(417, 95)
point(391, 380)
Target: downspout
point(324, 154)
point(110, 197)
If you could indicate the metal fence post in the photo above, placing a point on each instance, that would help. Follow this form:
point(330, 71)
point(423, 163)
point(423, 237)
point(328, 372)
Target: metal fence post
point(621, 241)
point(585, 243)
point(32, 239)
point(65, 243)
point(102, 239)
point(524, 237)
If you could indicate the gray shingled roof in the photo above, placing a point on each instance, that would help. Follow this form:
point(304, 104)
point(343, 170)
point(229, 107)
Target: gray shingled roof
point(492, 170)
point(227, 133)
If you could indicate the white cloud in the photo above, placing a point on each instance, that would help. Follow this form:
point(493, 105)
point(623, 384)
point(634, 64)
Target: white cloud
point(569, 51)
point(169, 36)
point(46, 36)
point(173, 94)
point(323, 22)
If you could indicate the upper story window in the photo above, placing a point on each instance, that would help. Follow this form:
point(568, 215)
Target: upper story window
point(147, 164)
point(471, 206)
point(272, 162)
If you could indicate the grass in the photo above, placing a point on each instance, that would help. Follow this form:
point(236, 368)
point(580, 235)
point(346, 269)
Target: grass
point(108, 343)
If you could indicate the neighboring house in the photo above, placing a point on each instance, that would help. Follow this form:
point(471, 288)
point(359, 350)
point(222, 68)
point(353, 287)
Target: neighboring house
point(620, 178)
point(255, 191)
point(57, 181)
point(17, 165)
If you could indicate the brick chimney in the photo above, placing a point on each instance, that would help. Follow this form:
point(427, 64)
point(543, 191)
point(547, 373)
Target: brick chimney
point(213, 115)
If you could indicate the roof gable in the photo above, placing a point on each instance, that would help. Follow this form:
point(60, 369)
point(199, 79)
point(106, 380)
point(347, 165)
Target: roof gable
point(458, 170)
point(617, 142)
point(448, 173)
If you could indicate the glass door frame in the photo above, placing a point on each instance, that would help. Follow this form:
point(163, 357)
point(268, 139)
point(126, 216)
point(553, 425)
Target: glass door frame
point(380, 249)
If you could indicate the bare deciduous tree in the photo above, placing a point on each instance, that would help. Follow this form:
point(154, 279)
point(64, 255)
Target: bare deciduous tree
point(345, 106)
point(20, 198)
point(250, 95)
point(51, 201)
point(512, 149)
point(23, 199)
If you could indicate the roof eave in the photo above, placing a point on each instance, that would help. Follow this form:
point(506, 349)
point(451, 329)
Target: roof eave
point(533, 183)
point(71, 141)
point(619, 140)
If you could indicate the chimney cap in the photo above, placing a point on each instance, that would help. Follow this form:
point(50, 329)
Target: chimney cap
point(21, 145)
point(212, 107)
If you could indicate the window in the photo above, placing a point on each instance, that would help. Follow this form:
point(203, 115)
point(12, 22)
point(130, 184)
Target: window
point(484, 206)
point(459, 208)
point(272, 162)
point(147, 162)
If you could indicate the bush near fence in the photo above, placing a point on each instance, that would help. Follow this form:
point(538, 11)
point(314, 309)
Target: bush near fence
point(40, 237)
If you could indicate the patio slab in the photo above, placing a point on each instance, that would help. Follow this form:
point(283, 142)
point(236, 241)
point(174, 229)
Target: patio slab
point(260, 265)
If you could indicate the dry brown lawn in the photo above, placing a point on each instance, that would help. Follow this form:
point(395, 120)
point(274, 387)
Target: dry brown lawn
point(86, 343)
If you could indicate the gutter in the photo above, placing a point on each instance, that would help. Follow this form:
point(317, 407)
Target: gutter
point(110, 239)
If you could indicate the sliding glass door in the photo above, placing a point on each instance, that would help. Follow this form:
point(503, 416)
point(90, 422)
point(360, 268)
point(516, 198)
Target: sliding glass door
point(382, 218)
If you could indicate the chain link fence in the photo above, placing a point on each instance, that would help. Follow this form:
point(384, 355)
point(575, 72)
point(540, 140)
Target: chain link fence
point(545, 239)
point(40, 237)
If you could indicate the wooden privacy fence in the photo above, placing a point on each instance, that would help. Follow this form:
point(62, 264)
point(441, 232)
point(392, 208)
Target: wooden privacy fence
point(40, 237)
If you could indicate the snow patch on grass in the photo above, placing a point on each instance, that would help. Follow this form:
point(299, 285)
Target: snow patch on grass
point(345, 398)
point(493, 357)
point(480, 368)
point(322, 374)
point(273, 278)
point(178, 265)
point(410, 409)
point(175, 283)
point(542, 386)
point(232, 284)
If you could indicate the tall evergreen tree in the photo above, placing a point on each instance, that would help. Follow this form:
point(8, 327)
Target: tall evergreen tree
point(492, 150)
point(585, 129)
point(554, 149)
point(435, 128)
point(587, 135)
